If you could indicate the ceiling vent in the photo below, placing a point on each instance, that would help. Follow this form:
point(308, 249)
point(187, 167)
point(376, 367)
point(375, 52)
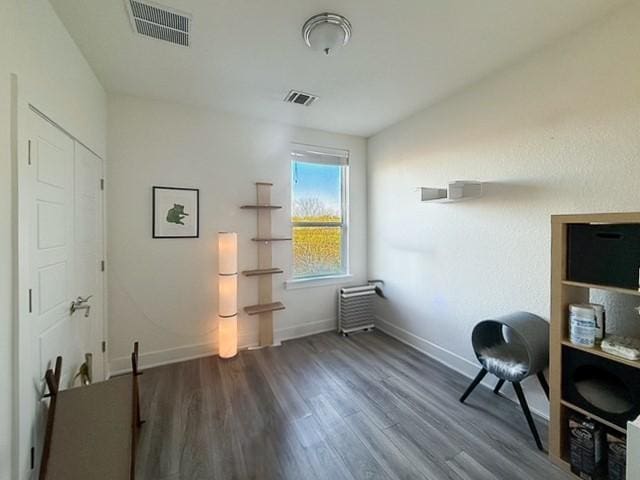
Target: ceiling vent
point(300, 98)
point(159, 22)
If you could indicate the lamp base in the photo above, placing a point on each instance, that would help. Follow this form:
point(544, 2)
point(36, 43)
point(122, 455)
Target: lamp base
point(228, 336)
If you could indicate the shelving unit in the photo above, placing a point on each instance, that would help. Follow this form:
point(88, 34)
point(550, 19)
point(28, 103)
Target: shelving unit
point(563, 293)
point(265, 271)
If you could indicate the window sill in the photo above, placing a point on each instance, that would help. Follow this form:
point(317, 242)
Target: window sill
point(297, 283)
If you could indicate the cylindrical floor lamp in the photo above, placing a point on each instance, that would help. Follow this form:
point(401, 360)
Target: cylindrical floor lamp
point(227, 294)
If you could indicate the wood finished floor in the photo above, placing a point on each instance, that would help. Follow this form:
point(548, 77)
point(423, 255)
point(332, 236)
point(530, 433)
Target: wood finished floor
point(327, 407)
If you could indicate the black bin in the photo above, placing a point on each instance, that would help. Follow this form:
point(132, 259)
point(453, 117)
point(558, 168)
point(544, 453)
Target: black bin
point(604, 254)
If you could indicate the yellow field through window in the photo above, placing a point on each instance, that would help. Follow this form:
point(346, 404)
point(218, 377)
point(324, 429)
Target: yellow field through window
point(319, 212)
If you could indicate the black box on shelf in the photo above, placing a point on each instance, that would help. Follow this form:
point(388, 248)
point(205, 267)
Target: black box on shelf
point(616, 457)
point(604, 254)
point(587, 448)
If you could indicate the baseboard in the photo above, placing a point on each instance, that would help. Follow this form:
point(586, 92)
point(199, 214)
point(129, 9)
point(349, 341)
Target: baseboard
point(121, 365)
point(446, 357)
point(306, 329)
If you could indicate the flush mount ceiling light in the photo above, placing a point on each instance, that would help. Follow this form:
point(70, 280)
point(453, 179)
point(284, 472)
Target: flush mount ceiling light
point(326, 32)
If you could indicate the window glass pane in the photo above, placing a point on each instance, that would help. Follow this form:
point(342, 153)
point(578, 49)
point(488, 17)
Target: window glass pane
point(317, 251)
point(317, 192)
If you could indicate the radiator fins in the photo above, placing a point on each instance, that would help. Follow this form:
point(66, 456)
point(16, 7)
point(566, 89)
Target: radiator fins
point(355, 308)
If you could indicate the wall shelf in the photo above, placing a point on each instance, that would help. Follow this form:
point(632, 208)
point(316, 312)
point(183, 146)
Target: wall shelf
point(264, 308)
point(274, 239)
point(262, 271)
point(268, 207)
point(454, 192)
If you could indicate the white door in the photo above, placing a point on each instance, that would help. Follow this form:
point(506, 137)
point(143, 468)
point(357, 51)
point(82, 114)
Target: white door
point(88, 251)
point(61, 193)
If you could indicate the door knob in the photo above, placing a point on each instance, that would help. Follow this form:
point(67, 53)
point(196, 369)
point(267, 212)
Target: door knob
point(81, 304)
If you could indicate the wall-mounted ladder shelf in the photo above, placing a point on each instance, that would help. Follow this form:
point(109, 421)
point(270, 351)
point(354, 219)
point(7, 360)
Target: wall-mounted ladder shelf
point(265, 306)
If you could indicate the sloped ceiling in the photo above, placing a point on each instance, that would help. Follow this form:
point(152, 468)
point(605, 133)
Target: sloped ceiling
point(247, 54)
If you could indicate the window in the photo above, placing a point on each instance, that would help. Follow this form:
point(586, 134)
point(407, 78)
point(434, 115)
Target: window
point(319, 212)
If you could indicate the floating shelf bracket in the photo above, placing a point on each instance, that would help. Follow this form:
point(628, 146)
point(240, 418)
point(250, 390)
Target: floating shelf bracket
point(455, 192)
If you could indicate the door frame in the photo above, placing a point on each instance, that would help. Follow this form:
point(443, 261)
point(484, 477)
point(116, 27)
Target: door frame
point(21, 109)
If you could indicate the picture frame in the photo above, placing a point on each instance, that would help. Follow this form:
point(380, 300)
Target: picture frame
point(175, 212)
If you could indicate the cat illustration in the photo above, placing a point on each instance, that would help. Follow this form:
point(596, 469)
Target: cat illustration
point(176, 214)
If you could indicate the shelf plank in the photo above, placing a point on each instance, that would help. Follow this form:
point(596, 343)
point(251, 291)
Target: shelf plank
point(263, 206)
point(275, 239)
point(601, 353)
point(625, 291)
point(262, 271)
point(265, 183)
point(623, 217)
point(263, 308)
point(598, 419)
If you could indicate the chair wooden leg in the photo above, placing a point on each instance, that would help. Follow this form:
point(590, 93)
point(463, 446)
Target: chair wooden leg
point(543, 384)
point(527, 414)
point(498, 386)
point(473, 385)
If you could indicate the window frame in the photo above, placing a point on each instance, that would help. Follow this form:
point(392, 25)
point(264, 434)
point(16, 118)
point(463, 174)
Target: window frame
point(344, 273)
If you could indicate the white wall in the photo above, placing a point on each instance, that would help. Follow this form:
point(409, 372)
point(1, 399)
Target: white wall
point(163, 292)
point(52, 75)
point(555, 133)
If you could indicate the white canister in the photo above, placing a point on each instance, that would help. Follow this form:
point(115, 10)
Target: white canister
point(582, 325)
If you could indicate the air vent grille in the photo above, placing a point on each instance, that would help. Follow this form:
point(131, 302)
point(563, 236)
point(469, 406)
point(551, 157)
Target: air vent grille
point(300, 98)
point(160, 22)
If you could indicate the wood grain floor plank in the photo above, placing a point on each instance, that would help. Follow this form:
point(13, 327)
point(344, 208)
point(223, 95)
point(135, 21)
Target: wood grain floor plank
point(469, 469)
point(249, 427)
point(311, 380)
point(330, 408)
point(326, 463)
point(359, 460)
point(224, 443)
point(394, 462)
point(497, 450)
point(284, 390)
point(357, 398)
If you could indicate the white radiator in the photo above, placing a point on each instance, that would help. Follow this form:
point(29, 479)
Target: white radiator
point(355, 308)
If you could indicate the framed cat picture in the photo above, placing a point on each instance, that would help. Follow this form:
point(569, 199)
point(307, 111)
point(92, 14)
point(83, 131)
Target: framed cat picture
point(176, 212)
